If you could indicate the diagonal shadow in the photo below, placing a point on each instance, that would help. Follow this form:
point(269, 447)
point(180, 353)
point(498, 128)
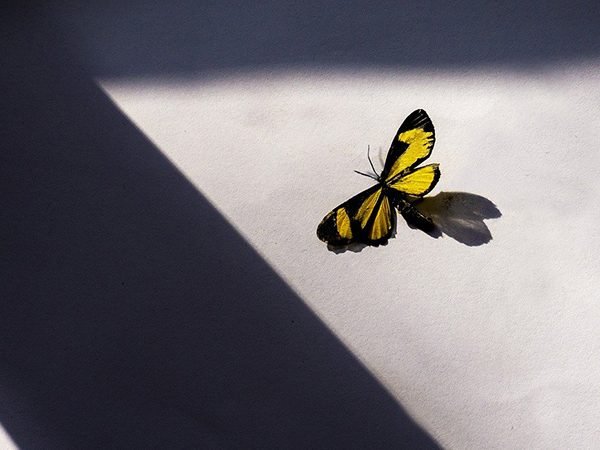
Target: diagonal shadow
point(133, 315)
point(459, 215)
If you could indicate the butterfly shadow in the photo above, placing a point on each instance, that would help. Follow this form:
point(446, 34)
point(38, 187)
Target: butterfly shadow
point(459, 215)
point(356, 247)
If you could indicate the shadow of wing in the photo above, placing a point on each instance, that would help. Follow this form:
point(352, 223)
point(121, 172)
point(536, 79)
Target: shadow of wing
point(460, 215)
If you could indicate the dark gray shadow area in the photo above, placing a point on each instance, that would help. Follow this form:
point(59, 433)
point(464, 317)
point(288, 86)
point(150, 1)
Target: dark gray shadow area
point(187, 37)
point(354, 247)
point(132, 315)
point(460, 215)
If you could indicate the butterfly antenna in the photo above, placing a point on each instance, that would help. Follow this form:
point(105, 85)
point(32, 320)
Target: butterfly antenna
point(369, 158)
point(367, 175)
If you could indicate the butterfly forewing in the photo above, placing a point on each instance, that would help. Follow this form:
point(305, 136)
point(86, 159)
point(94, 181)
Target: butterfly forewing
point(411, 145)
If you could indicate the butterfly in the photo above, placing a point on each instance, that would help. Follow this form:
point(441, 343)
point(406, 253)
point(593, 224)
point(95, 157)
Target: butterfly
point(369, 217)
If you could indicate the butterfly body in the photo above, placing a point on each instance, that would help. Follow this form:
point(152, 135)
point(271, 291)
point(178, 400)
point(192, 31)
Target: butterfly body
point(370, 216)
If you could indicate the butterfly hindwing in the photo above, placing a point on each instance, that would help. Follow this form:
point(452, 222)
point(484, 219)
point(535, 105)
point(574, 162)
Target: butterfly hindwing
point(412, 145)
point(417, 182)
point(368, 217)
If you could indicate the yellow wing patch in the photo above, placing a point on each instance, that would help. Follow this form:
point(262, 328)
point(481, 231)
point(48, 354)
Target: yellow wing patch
point(375, 216)
point(366, 208)
point(420, 143)
point(343, 224)
point(419, 182)
point(383, 221)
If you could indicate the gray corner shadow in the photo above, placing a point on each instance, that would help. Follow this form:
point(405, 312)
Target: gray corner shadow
point(133, 315)
point(459, 215)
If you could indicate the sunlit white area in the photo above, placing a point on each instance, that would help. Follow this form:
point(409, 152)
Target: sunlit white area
point(167, 166)
point(5, 440)
point(487, 345)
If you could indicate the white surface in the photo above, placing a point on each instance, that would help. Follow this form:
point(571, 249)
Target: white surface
point(487, 346)
point(6, 442)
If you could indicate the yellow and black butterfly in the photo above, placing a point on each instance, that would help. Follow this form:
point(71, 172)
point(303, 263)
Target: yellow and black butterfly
point(369, 217)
